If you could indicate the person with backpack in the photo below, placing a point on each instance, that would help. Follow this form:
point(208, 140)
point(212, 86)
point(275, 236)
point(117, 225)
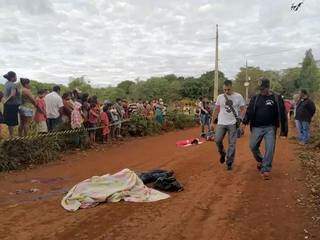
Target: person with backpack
point(228, 105)
point(265, 114)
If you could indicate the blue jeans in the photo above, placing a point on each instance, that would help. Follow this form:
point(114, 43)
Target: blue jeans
point(268, 134)
point(303, 131)
point(53, 123)
point(205, 120)
point(221, 131)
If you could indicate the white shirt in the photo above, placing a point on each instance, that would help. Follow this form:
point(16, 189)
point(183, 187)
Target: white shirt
point(226, 116)
point(53, 104)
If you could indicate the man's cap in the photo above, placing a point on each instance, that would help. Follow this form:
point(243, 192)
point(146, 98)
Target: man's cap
point(263, 83)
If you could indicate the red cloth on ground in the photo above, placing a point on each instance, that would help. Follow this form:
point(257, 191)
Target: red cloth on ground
point(186, 143)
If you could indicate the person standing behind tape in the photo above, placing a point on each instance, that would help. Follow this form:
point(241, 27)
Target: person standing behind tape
point(54, 108)
point(266, 112)
point(12, 101)
point(228, 105)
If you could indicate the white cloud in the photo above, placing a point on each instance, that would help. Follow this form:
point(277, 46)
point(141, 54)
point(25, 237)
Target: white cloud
point(205, 8)
point(109, 41)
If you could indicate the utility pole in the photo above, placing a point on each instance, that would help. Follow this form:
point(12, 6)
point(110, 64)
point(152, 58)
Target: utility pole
point(216, 73)
point(246, 83)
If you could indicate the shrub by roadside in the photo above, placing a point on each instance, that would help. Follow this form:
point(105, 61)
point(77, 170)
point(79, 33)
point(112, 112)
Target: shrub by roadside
point(23, 153)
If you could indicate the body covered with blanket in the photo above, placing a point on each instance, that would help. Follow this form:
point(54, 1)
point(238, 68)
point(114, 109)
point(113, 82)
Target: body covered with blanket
point(124, 185)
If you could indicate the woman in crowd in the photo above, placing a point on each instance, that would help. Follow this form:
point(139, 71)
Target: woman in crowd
point(28, 102)
point(85, 109)
point(105, 123)
point(159, 114)
point(94, 115)
point(12, 100)
point(67, 108)
point(40, 116)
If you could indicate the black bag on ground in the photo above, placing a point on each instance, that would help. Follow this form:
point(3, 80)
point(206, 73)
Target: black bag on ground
point(168, 184)
point(152, 176)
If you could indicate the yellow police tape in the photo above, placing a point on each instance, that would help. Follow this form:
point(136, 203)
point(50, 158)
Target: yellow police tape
point(59, 133)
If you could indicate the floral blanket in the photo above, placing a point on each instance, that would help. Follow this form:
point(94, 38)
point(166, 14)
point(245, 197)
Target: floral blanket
point(124, 185)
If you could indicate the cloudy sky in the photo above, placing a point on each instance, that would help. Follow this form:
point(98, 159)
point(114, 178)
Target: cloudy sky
point(113, 40)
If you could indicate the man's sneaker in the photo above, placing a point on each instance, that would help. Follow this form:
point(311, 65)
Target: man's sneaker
point(229, 167)
point(222, 157)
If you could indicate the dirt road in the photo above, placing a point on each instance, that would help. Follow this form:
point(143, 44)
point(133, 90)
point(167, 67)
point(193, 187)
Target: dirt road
point(216, 204)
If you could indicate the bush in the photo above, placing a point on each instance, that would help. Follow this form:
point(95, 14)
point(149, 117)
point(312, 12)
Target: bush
point(180, 120)
point(22, 153)
point(140, 126)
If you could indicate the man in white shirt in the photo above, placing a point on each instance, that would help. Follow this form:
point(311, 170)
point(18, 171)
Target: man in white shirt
point(227, 106)
point(54, 107)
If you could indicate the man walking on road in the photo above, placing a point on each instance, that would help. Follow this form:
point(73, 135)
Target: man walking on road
point(228, 105)
point(304, 113)
point(266, 112)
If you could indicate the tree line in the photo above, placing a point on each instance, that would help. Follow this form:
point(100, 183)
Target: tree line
point(173, 88)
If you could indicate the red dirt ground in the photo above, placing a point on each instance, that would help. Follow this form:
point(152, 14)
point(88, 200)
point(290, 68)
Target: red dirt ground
point(215, 204)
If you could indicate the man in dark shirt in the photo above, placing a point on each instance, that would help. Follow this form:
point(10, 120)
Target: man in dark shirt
point(266, 112)
point(304, 112)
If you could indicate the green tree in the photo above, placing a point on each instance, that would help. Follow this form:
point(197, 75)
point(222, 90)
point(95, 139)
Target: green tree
point(254, 73)
point(309, 76)
point(194, 88)
point(275, 80)
point(36, 86)
point(126, 86)
point(81, 84)
point(289, 81)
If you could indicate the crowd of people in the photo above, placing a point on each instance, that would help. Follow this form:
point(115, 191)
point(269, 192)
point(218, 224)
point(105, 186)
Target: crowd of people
point(75, 109)
point(265, 113)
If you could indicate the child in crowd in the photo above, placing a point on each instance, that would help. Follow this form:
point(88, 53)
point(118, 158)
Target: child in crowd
point(94, 115)
point(40, 116)
point(159, 115)
point(77, 120)
point(116, 121)
point(76, 116)
point(1, 112)
point(104, 119)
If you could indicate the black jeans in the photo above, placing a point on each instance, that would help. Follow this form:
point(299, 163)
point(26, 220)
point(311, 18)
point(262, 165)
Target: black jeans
point(53, 123)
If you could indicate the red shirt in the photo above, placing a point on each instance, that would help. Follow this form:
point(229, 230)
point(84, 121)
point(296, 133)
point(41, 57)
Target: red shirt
point(105, 122)
point(94, 115)
point(287, 105)
point(40, 116)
